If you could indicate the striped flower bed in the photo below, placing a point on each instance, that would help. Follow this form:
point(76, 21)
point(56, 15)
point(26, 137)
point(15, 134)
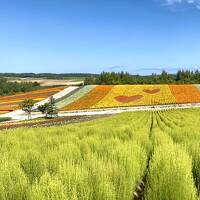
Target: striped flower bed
point(90, 99)
point(11, 103)
point(75, 96)
point(109, 96)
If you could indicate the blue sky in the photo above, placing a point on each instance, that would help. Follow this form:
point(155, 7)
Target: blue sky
point(139, 36)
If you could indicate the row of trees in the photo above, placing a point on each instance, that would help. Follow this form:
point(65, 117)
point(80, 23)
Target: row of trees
point(7, 88)
point(112, 78)
point(46, 75)
point(49, 109)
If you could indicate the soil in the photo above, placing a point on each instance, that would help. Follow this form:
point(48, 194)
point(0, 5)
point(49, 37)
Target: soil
point(52, 122)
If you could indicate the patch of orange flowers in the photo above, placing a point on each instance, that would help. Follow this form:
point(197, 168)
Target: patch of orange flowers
point(90, 99)
point(185, 93)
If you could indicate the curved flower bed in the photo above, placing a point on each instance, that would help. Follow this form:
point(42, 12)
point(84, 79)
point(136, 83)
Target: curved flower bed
point(75, 96)
point(90, 99)
point(11, 103)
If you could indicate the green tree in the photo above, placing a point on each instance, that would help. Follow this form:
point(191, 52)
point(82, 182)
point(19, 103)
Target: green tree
point(90, 80)
point(27, 106)
point(7, 88)
point(51, 111)
point(43, 108)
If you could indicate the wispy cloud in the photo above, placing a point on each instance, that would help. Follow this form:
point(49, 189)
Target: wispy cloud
point(117, 67)
point(195, 3)
point(158, 70)
point(172, 2)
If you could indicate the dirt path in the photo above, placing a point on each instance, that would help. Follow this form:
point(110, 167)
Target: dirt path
point(140, 191)
point(49, 122)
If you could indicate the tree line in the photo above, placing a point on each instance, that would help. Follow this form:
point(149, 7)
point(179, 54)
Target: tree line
point(46, 75)
point(113, 78)
point(8, 88)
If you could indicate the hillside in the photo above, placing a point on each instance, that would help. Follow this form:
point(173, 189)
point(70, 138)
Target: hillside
point(109, 96)
point(11, 103)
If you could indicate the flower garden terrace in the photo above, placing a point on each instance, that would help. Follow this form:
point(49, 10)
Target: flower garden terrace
point(89, 97)
point(115, 96)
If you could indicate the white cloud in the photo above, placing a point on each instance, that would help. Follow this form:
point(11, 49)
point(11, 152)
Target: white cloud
point(172, 2)
point(195, 3)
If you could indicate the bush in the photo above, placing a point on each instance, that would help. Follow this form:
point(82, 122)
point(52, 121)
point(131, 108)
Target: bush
point(4, 119)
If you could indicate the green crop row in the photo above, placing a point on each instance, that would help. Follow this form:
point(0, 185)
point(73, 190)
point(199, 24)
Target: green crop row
point(170, 172)
point(184, 129)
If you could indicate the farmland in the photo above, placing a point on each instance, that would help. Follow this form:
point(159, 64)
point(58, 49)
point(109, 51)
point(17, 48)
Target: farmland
point(97, 98)
point(150, 155)
point(46, 82)
point(109, 96)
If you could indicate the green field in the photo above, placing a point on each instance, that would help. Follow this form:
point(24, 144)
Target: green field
point(155, 155)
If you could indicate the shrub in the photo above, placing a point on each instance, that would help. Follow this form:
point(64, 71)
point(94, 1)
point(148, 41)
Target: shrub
point(4, 119)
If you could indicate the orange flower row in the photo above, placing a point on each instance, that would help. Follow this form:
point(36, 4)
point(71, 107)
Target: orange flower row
point(90, 99)
point(10, 103)
point(33, 94)
point(185, 93)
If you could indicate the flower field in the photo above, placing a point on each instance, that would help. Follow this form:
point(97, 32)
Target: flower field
point(109, 96)
point(133, 95)
point(90, 99)
point(198, 86)
point(185, 93)
point(137, 95)
point(140, 155)
point(75, 96)
point(11, 103)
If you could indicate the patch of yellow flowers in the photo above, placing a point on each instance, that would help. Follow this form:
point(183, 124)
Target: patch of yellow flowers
point(151, 95)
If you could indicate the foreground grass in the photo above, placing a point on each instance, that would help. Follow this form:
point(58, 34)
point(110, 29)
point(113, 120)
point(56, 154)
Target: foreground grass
point(104, 159)
point(86, 161)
